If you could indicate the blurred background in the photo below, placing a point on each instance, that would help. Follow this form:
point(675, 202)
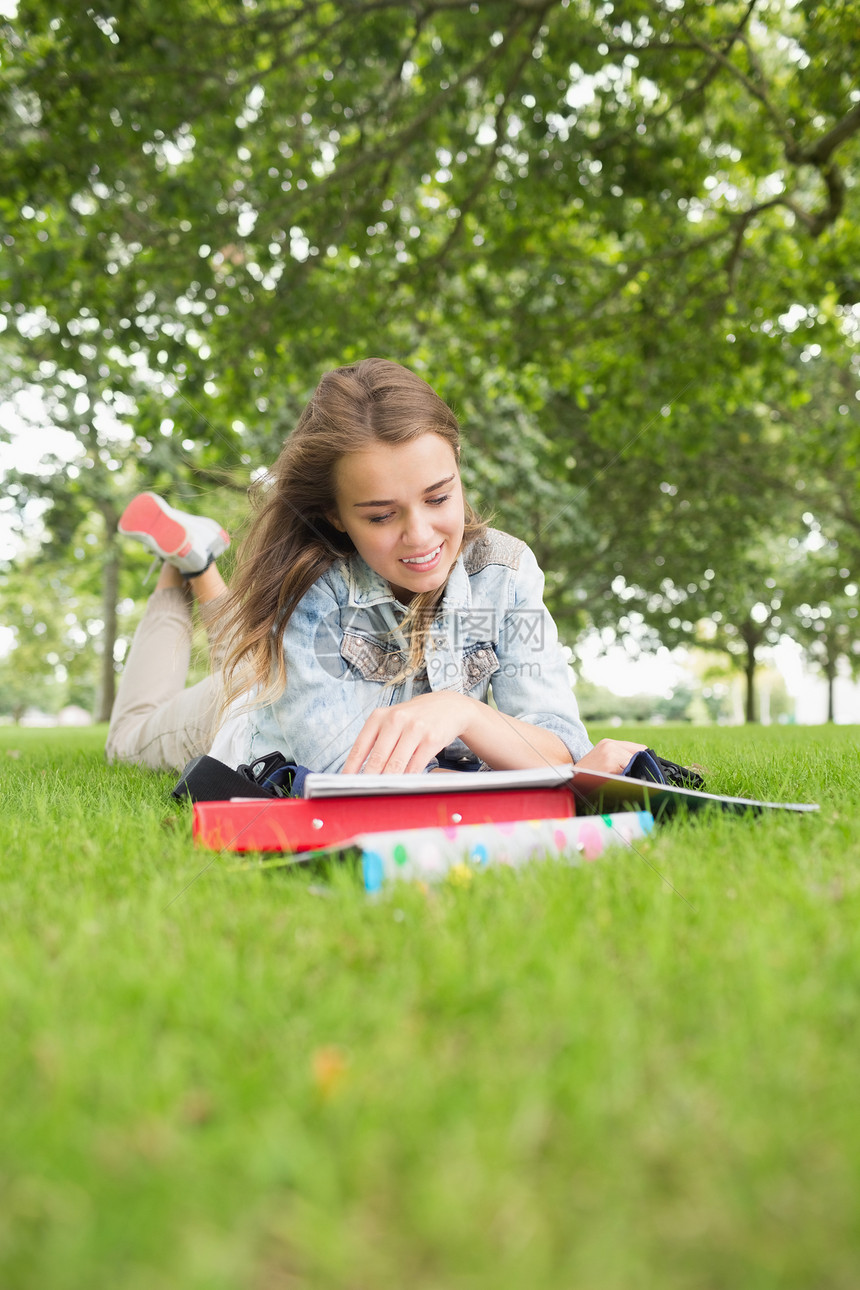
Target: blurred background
point(621, 240)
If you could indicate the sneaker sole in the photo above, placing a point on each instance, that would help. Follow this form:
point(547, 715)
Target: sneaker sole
point(144, 518)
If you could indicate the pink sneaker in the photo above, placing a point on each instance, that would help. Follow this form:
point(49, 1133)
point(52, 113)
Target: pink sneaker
point(189, 542)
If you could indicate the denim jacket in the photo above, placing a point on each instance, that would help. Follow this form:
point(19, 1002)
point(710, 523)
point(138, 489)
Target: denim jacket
point(346, 655)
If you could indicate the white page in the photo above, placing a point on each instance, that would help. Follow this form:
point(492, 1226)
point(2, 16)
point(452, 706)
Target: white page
point(448, 781)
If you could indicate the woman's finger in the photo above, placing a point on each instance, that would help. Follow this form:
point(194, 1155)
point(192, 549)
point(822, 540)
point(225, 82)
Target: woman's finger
point(362, 746)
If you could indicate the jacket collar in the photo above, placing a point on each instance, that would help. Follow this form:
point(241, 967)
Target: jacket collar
point(365, 586)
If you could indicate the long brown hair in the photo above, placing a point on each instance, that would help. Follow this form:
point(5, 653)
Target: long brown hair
point(292, 543)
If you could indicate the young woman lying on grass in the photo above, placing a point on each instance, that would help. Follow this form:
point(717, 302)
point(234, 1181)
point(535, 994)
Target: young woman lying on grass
point(371, 614)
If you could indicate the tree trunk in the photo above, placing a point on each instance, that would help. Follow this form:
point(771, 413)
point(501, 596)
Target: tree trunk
point(110, 596)
point(830, 673)
point(749, 674)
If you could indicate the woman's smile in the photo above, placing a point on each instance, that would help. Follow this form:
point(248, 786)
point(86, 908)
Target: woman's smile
point(422, 561)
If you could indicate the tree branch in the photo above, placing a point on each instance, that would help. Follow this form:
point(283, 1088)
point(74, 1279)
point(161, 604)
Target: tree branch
point(754, 90)
point(820, 152)
point(498, 125)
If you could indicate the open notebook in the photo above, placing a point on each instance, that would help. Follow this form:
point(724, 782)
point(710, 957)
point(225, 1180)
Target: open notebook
point(600, 790)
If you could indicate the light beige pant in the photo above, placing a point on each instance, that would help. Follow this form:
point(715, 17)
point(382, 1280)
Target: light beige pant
point(157, 720)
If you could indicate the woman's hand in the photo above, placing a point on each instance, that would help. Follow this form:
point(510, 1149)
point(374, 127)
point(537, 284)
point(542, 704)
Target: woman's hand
point(610, 756)
point(402, 739)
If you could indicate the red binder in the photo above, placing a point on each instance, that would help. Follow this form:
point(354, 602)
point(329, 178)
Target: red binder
point(310, 824)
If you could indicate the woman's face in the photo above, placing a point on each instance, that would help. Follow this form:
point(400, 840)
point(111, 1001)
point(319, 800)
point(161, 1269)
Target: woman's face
point(402, 505)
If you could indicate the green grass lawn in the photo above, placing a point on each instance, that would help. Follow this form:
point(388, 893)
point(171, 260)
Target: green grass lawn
point(640, 1073)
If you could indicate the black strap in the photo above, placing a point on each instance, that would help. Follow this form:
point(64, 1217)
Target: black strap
point(205, 779)
point(659, 770)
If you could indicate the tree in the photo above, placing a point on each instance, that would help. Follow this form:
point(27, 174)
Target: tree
point(818, 421)
point(589, 172)
point(735, 611)
point(588, 218)
point(57, 636)
point(825, 619)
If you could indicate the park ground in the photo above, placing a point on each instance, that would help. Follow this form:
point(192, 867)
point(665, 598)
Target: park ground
point(641, 1072)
